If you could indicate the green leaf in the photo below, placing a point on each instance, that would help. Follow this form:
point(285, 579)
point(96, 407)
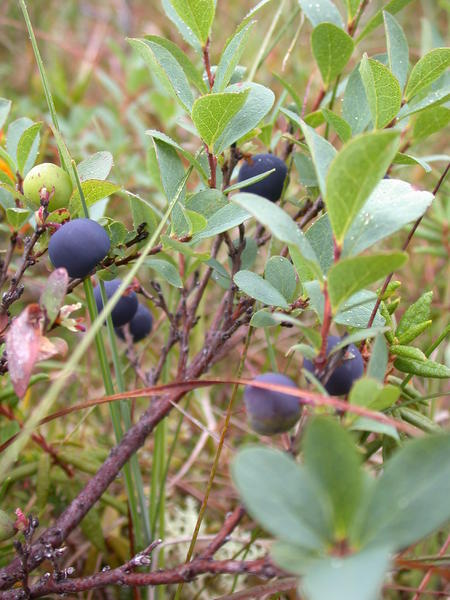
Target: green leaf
point(185, 31)
point(94, 190)
point(357, 310)
point(332, 49)
point(231, 56)
point(392, 7)
point(410, 499)
point(166, 270)
point(198, 221)
point(256, 287)
point(292, 558)
point(352, 8)
point(356, 577)
point(168, 70)
point(191, 72)
point(422, 368)
point(251, 13)
point(406, 159)
point(433, 98)
point(352, 274)
point(277, 220)
point(281, 274)
point(17, 217)
point(5, 107)
point(171, 169)
point(212, 113)
point(26, 147)
point(142, 212)
point(207, 202)
point(322, 152)
point(14, 134)
point(365, 424)
point(333, 462)
point(246, 182)
point(397, 48)
point(413, 331)
point(96, 166)
point(339, 124)
point(355, 108)
point(391, 205)
point(304, 350)
point(320, 237)
point(383, 91)
point(257, 104)
point(415, 314)
point(198, 15)
point(357, 336)
point(431, 121)
point(8, 159)
point(183, 248)
point(321, 11)
point(378, 359)
point(353, 175)
point(223, 220)
point(427, 70)
point(370, 393)
point(293, 511)
point(407, 352)
point(159, 135)
point(306, 170)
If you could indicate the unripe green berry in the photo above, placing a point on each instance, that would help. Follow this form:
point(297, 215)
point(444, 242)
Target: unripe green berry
point(49, 176)
point(7, 527)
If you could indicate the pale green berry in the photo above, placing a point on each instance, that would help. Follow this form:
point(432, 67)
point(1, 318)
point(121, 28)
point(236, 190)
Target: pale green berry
point(49, 176)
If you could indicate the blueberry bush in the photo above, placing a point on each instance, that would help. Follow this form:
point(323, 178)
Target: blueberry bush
point(224, 313)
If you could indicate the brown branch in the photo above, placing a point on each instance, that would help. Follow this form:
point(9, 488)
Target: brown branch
point(8, 257)
point(16, 289)
point(261, 567)
point(229, 525)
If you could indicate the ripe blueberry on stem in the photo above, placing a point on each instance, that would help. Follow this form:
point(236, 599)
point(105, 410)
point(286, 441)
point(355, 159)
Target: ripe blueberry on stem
point(271, 412)
point(343, 377)
point(270, 187)
point(78, 246)
point(125, 309)
point(140, 325)
point(54, 179)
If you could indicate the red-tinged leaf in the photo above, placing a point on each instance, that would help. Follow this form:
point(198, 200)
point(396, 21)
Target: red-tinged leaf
point(52, 347)
point(23, 341)
point(52, 297)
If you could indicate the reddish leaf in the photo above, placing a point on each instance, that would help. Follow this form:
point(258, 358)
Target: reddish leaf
point(52, 297)
point(23, 341)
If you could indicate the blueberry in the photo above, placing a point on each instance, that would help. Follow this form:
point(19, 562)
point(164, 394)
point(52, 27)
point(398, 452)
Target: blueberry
point(140, 325)
point(54, 179)
point(351, 368)
point(125, 309)
point(78, 246)
point(270, 187)
point(271, 412)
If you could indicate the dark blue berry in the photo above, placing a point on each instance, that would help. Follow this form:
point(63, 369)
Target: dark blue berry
point(125, 309)
point(270, 187)
point(140, 325)
point(271, 412)
point(351, 368)
point(78, 246)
